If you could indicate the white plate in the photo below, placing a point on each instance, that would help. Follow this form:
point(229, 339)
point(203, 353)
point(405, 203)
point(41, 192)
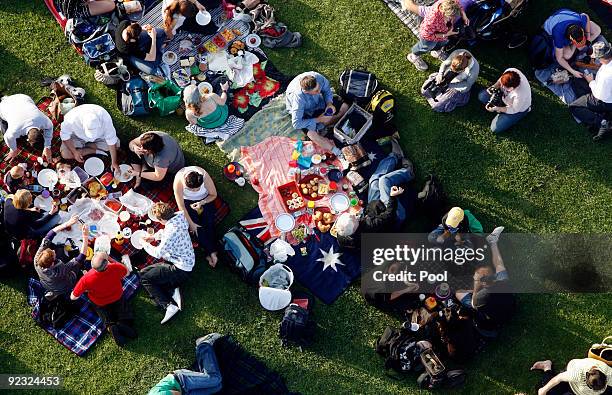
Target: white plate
point(205, 85)
point(203, 18)
point(170, 58)
point(124, 216)
point(47, 178)
point(284, 222)
point(256, 43)
point(339, 202)
point(125, 176)
point(94, 166)
point(136, 238)
point(43, 203)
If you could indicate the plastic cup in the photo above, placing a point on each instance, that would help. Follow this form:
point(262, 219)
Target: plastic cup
point(45, 193)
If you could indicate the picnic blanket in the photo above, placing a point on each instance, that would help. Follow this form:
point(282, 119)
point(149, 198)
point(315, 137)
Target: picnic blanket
point(409, 19)
point(326, 280)
point(82, 331)
point(272, 120)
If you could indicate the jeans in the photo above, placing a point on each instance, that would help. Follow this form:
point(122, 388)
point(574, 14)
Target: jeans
point(208, 379)
point(590, 110)
point(160, 280)
point(144, 41)
point(207, 238)
point(502, 121)
point(384, 178)
point(424, 46)
point(118, 312)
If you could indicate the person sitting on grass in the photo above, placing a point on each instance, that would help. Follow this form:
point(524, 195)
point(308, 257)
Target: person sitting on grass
point(195, 192)
point(450, 86)
point(103, 285)
point(491, 297)
point(181, 15)
point(140, 45)
point(595, 108)
point(84, 9)
point(397, 297)
point(162, 280)
point(87, 129)
point(515, 101)
point(155, 157)
point(455, 227)
point(587, 376)
point(206, 380)
point(56, 276)
point(21, 118)
point(313, 108)
point(207, 110)
point(24, 222)
point(435, 29)
point(570, 31)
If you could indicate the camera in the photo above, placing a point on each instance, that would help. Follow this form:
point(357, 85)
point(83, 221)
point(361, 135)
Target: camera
point(434, 89)
point(496, 99)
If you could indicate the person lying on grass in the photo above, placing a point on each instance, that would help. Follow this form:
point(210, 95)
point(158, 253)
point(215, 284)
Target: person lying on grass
point(86, 130)
point(162, 280)
point(56, 276)
point(437, 26)
point(594, 109)
point(570, 32)
point(514, 103)
point(313, 108)
point(21, 119)
point(585, 376)
point(195, 192)
point(103, 285)
point(155, 158)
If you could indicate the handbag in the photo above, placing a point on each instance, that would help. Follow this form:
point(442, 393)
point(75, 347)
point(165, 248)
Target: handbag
point(602, 351)
point(165, 97)
point(100, 49)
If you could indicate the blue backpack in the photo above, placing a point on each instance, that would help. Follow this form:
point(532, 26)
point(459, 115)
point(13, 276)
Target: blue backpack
point(132, 98)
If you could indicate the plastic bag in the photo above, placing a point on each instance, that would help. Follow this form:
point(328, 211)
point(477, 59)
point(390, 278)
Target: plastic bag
point(136, 203)
point(281, 250)
point(165, 97)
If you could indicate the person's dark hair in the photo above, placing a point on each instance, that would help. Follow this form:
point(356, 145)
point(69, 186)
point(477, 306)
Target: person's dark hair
point(596, 379)
point(133, 31)
point(182, 7)
point(575, 32)
point(510, 79)
point(194, 179)
point(308, 83)
point(152, 142)
point(36, 138)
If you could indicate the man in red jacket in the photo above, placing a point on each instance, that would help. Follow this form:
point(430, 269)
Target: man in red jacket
point(104, 289)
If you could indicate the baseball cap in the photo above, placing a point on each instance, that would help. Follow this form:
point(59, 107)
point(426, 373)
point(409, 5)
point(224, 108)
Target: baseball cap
point(454, 217)
point(601, 49)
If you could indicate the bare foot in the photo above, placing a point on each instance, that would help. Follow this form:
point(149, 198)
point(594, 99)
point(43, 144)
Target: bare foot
point(542, 365)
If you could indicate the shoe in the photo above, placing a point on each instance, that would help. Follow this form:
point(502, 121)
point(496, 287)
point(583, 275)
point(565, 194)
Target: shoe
point(440, 55)
point(117, 336)
point(604, 130)
point(417, 61)
point(127, 331)
point(171, 311)
point(494, 236)
point(176, 296)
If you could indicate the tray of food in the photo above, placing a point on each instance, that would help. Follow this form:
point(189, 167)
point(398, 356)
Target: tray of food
point(95, 188)
point(219, 41)
point(323, 219)
point(291, 198)
point(309, 187)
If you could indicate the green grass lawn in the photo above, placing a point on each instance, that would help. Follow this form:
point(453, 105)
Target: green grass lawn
point(543, 176)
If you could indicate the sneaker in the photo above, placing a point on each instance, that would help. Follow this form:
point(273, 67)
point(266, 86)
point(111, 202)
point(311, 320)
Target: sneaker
point(440, 55)
point(494, 236)
point(176, 296)
point(171, 311)
point(117, 336)
point(417, 61)
point(604, 130)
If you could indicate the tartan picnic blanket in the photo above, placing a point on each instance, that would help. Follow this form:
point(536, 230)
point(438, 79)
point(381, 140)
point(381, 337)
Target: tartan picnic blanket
point(409, 19)
point(82, 331)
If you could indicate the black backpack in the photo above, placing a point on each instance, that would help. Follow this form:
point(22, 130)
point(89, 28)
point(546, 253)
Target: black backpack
point(297, 327)
point(358, 85)
point(400, 350)
point(540, 51)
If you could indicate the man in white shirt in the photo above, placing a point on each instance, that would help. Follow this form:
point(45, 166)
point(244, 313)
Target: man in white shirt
point(86, 129)
point(594, 109)
point(21, 118)
point(516, 100)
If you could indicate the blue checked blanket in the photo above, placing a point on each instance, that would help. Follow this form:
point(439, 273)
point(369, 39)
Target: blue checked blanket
point(82, 331)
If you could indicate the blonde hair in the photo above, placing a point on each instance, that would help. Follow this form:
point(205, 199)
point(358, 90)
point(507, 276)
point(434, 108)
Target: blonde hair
point(22, 199)
point(17, 171)
point(450, 8)
point(460, 62)
point(162, 211)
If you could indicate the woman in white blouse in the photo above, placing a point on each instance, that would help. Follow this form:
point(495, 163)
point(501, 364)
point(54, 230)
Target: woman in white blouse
point(194, 191)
